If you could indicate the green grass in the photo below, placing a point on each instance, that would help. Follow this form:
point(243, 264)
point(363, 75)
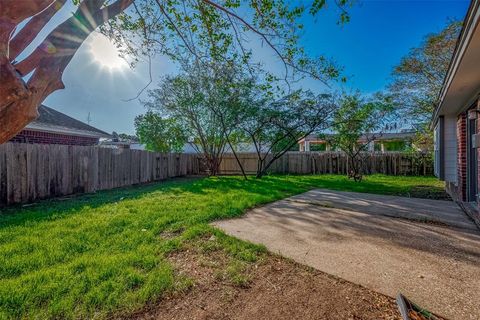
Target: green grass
point(96, 255)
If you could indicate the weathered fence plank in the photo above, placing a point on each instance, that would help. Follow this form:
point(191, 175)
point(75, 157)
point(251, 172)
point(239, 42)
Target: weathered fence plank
point(390, 163)
point(29, 172)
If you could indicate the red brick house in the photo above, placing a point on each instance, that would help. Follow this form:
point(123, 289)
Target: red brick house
point(456, 120)
point(53, 127)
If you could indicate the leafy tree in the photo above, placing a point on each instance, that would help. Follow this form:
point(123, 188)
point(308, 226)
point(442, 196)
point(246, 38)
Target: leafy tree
point(115, 136)
point(275, 127)
point(234, 93)
point(128, 137)
point(160, 134)
point(418, 78)
point(357, 123)
point(217, 31)
point(123, 137)
point(222, 105)
point(206, 29)
point(205, 102)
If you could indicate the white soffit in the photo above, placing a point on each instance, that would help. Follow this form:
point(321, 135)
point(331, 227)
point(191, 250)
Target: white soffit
point(463, 82)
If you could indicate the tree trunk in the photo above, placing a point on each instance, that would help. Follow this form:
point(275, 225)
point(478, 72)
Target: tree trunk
point(238, 160)
point(19, 101)
point(260, 171)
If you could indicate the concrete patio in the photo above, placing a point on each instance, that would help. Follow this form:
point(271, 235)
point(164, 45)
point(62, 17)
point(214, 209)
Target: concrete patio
point(427, 249)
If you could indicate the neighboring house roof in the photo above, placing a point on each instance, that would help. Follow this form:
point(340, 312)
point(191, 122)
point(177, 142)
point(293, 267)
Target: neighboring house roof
point(117, 144)
point(53, 121)
point(242, 147)
point(462, 82)
point(402, 135)
point(407, 135)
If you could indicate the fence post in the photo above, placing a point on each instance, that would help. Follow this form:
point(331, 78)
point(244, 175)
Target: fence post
point(32, 172)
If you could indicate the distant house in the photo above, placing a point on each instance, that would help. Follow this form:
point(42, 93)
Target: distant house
point(389, 141)
point(54, 127)
point(243, 147)
point(133, 145)
point(456, 120)
point(122, 141)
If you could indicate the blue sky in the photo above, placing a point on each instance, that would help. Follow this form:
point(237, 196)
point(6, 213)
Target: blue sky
point(378, 35)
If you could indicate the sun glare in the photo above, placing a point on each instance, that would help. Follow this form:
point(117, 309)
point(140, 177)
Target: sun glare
point(105, 53)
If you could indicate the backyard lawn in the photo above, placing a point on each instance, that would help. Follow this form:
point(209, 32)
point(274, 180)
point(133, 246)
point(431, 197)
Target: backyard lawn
point(110, 253)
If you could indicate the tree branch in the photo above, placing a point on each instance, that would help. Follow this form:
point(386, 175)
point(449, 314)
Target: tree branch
point(63, 42)
point(150, 80)
point(32, 28)
point(16, 11)
point(252, 28)
point(49, 61)
point(162, 9)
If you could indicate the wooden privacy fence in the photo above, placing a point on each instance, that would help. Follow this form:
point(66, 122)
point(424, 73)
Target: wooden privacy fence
point(390, 163)
point(29, 172)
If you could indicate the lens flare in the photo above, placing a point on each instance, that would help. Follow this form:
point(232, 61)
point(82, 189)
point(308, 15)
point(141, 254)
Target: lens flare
point(105, 53)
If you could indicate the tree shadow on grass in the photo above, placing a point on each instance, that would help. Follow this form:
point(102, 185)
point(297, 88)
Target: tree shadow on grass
point(58, 208)
point(267, 189)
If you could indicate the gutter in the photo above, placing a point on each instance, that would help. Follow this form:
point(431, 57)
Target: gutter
point(66, 131)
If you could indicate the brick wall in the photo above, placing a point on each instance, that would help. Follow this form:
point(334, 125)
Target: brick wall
point(462, 156)
point(31, 136)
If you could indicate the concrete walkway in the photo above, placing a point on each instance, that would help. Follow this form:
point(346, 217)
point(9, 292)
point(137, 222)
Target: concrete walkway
point(427, 249)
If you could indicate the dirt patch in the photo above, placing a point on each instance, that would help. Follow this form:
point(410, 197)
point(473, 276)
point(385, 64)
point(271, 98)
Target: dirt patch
point(170, 234)
point(272, 288)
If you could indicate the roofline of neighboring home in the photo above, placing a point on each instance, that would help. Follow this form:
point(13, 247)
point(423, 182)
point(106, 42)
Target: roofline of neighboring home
point(386, 136)
point(119, 143)
point(67, 131)
point(469, 24)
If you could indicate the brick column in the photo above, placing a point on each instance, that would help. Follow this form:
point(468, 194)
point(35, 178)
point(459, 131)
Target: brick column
point(462, 156)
